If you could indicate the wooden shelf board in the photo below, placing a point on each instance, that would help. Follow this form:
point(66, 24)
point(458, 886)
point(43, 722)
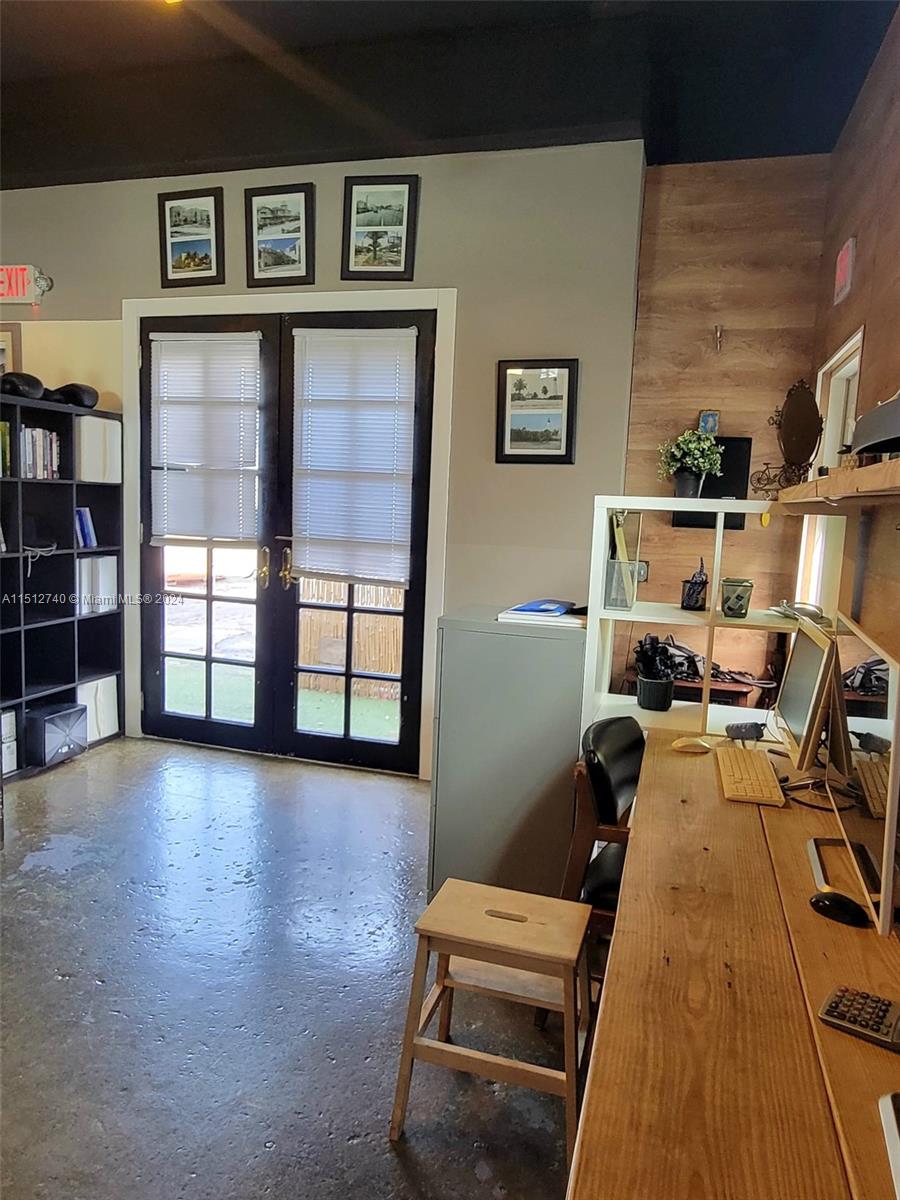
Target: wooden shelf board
point(684, 715)
point(648, 612)
point(36, 691)
point(757, 618)
point(845, 486)
point(90, 676)
point(43, 622)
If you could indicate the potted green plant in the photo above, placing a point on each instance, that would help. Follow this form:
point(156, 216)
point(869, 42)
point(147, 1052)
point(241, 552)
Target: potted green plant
point(655, 671)
point(688, 459)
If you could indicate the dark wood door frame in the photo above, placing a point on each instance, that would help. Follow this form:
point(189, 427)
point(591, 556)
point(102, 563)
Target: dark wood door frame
point(273, 729)
point(402, 756)
point(154, 719)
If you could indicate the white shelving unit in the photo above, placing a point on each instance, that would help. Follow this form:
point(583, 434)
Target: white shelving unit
point(598, 702)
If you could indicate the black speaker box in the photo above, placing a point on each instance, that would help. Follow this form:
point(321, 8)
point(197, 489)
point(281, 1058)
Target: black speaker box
point(55, 732)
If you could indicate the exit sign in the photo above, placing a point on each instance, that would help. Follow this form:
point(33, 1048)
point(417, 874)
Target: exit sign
point(17, 285)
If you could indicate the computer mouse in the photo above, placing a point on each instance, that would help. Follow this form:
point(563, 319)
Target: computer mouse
point(691, 745)
point(838, 907)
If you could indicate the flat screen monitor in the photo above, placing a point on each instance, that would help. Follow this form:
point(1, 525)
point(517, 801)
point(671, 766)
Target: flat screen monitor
point(802, 704)
point(863, 776)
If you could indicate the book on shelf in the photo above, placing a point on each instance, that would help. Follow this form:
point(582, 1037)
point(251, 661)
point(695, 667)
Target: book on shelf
point(85, 534)
point(544, 612)
point(38, 454)
point(2, 540)
point(5, 449)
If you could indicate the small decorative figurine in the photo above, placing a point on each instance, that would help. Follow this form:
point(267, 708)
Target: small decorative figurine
point(693, 590)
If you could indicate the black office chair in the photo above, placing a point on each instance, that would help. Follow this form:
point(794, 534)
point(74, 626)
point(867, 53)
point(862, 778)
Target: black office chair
point(606, 780)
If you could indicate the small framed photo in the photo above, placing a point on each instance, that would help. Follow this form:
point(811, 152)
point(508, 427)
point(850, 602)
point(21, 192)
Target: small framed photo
point(536, 400)
point(191, 238)
point(10, 346)
point(708, 421)
point(280, 229)
point(380, 215)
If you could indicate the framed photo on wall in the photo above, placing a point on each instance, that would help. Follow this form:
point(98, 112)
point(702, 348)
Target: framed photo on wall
point(380, 216)
point(280, 229)
point(708, 421)
point(10, 346)
point(536, 403)
point(191, 238)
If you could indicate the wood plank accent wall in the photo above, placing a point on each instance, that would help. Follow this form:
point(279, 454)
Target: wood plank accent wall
point(736, 244)
point(870, 574)
point(864, 202)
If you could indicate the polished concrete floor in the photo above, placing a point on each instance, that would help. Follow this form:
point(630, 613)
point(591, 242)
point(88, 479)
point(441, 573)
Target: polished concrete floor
point(205, 967)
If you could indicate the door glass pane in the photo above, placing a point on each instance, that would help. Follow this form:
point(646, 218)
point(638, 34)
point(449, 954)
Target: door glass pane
point(320, 703)
point(184, 568)
point(321, 591)
point(234, 630)
point(322, 638)
point(377, 643)
point(368, 596)
point(233, 693)
point(375, 710)
point(184, 687)
point(234, 572)
point(184, 628)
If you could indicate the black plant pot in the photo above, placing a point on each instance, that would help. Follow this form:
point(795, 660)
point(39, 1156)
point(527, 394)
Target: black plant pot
point(688, 484)
point(655, 694)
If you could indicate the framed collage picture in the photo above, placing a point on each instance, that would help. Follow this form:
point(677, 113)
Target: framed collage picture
point(191, 238)
point(380, 214)
point(280, 235)
point(536, 401)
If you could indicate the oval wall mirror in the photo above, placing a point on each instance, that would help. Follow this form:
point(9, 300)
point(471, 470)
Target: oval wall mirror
point(800, 426)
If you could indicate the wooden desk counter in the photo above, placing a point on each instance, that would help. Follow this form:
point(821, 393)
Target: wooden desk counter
point(704, 1081)
point(857, 1074)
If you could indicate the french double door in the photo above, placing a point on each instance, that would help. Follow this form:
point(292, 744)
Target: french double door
point(238, 649)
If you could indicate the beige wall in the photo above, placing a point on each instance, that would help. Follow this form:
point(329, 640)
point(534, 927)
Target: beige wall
point(542, 247)
point(76, 352)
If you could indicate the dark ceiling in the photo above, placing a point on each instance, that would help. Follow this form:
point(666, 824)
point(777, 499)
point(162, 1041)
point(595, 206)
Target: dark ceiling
point(106, 89)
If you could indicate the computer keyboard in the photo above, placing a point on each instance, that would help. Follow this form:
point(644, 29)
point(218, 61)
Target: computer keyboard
point(748, 775)
point(873, 778)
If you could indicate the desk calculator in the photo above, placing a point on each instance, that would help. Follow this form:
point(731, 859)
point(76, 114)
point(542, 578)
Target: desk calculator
point(865, 1015)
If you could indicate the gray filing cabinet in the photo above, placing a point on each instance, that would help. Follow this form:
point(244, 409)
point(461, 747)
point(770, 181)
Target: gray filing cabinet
point(506, 738)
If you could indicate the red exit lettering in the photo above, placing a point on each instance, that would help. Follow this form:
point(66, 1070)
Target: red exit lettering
point(13, 283)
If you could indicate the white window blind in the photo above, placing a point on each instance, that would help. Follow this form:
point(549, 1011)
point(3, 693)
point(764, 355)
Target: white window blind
point(204, 431)
point(354, 408)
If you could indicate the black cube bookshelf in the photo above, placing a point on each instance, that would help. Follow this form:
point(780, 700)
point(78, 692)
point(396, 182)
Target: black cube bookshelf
point(48, 647)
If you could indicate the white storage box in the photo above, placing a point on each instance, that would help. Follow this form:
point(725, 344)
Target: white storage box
point(101, 698)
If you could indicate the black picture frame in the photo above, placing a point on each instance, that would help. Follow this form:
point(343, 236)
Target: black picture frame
point(349, 228)
point(216, 238)
point(308, 191)
point(566, 453)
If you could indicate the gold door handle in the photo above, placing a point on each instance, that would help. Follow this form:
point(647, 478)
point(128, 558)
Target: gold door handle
point(286, 568)
point(262, 572)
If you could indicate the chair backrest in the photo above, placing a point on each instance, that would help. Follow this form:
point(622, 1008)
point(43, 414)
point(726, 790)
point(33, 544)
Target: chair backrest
point(613, 751)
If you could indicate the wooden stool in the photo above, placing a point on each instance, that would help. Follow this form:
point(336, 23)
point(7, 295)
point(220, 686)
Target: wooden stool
point(514, 945)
